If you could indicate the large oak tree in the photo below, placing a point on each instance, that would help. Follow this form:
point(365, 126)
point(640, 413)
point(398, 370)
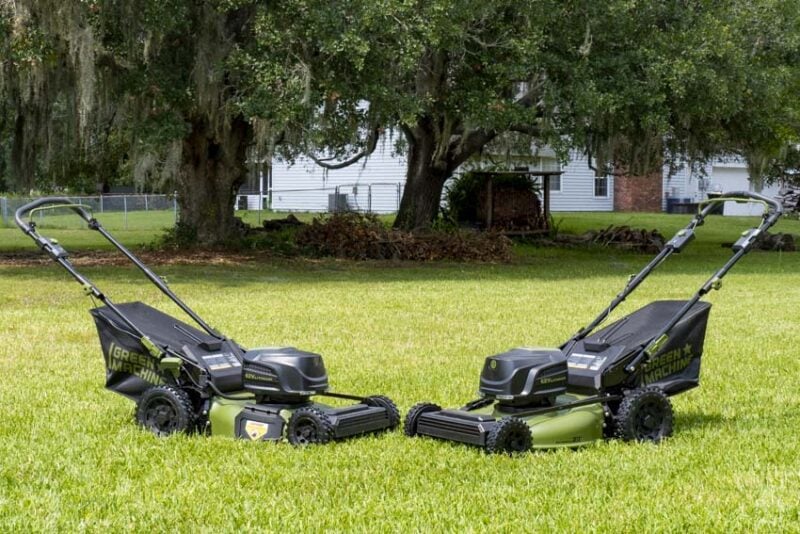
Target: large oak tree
point(629, 82)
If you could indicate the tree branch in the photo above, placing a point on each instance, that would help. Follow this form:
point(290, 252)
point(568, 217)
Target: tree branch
point(372, 142)
point(464, 146)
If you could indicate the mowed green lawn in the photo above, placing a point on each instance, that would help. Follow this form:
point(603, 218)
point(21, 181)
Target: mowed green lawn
point(71, 457)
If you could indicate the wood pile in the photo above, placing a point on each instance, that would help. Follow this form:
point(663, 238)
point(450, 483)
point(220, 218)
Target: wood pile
point(649, 241)
point(363, 236)
point(777, 241)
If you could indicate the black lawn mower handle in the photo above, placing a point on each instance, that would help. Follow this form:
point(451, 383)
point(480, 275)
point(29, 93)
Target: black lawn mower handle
point(47, 201)
point(770, 216)
point(60, 256)
point(776, 207)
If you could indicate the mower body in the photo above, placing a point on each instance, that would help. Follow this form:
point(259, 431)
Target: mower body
point(565, 395)
point(248, 394)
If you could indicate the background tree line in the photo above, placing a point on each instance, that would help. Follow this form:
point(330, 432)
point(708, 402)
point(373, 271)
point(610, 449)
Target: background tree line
point(181, 94)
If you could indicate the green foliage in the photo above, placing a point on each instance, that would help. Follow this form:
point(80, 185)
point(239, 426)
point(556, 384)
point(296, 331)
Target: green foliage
point(179, 237)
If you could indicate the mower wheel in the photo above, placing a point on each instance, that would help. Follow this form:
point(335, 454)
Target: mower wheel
point(645, 414)
point(307, 426)
point(510, 435)
point(165, 410)
point(412, 417)
point(392, 412)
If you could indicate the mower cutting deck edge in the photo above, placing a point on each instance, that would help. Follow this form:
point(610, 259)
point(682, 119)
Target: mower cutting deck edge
point(186, 379)
point(612, 382)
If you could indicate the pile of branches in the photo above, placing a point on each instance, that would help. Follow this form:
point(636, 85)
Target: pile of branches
point(645, 241)
point(777, 241)
point(361, 237)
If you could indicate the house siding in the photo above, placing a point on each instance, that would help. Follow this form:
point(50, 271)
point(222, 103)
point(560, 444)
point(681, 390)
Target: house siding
point(577, 188)
point(375, 183)
point(304, 186)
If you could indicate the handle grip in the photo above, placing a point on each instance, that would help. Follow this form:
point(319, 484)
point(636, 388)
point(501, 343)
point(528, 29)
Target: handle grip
point(47, 201)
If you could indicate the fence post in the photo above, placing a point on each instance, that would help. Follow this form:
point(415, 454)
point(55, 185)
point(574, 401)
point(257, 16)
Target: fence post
point(125, 210)
point(4, 208)
point(175, 206)
point(101, 202)
point(145, 202)
point(369, 198)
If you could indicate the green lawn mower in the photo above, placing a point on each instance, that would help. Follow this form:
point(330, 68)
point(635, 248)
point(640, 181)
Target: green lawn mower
point(612, 382)
point(186, 379)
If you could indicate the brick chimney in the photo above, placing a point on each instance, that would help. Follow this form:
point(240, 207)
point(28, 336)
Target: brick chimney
point(638, 193)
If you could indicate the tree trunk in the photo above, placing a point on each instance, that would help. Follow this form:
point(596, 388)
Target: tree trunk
point(213, 168)
point(425, 178)
point(433, 156)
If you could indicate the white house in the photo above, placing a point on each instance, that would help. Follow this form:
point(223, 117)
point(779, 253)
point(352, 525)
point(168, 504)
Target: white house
point(376, 184)
point(721, 175)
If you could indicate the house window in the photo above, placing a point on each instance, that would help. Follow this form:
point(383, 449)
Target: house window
point(555, 183)
point(601, 186)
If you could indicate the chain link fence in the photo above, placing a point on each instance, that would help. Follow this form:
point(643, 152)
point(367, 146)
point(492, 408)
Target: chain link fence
point(121, 212)
point(376, 197)
point(114, 211)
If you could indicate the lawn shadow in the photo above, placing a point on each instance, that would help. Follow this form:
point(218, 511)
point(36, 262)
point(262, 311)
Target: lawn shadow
point(698, 420)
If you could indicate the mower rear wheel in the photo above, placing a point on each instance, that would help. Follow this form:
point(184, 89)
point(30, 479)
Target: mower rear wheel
point(308, 426)
point(412, 417)
point(386, 403)
point(165, 410)
point(645, 414)
point(510, 435)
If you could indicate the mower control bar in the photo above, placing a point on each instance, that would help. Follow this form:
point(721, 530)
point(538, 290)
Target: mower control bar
point(771, 215)
point(55, 251)
point(678, 243)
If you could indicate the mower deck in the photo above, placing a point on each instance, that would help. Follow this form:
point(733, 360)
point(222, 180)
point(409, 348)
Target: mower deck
point(246, 419)
point(566, 427)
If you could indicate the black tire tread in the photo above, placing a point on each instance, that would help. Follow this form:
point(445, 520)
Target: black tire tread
point(179, 398)
point(624, 423)
point(382, 401)
point(412, 417)
point(324, 425)
point(496, 441)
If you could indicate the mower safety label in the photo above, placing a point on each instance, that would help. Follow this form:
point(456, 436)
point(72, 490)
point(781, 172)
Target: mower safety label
point(256, 429)
point(225, 360)
point(586, 361)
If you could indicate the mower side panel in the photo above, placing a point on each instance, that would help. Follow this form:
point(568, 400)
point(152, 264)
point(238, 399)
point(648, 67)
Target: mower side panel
point(223, 414)
point(575, 428)
point(243, 418)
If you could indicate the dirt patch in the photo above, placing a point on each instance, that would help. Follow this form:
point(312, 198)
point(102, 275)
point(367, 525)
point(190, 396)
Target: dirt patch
point(102, 258)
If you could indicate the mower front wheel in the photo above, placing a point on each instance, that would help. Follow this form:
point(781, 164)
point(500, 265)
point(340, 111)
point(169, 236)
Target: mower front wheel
point(165, 410)
point(386, 403)
point(308, 426)
point(645, 414)
point(412, 418)
point(510, 435)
